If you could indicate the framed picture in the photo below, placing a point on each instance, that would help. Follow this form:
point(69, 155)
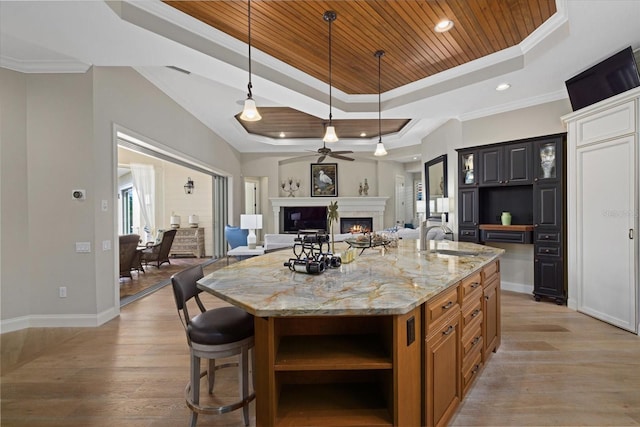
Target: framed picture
point(324, 179)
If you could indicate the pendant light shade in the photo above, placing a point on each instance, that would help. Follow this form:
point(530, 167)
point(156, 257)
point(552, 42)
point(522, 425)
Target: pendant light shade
point(250, 111)
point(380, 150)
point(330, 133)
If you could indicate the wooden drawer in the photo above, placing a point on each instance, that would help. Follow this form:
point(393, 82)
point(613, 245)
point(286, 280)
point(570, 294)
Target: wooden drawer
point(471, 370)
point(489, 271)
point(441, 305)
point(548, 250)
point(472, 311)
point(469, 285)
point(547, 237)
point(471, 341)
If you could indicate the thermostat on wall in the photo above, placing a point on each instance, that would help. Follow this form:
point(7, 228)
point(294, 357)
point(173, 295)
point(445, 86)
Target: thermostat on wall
point(79, 194)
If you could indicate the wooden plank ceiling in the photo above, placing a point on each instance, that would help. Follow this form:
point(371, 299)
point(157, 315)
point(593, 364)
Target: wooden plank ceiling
point(296, 33)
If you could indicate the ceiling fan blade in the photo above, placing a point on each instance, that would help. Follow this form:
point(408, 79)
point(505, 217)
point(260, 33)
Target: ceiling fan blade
point(338, 156)
point(295, 159)
point(342, 152)
point(321, 158)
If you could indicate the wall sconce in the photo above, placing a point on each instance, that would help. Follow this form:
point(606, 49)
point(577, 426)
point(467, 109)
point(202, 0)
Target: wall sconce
point(188, 187)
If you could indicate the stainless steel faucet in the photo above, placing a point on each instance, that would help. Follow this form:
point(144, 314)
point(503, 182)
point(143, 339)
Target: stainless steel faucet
point(424, 232)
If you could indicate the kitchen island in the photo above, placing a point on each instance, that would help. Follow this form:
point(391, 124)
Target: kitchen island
point(351, 345)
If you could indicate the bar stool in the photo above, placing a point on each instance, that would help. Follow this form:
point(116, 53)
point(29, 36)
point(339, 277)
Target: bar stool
point(212, 334)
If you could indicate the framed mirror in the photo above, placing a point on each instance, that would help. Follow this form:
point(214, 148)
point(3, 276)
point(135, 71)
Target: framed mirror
point(435, 186)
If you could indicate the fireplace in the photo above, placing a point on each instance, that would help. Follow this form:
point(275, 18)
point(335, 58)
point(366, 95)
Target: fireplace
point(356, 225)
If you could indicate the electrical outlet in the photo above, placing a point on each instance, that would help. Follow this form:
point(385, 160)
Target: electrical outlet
point(62, 292)
point(105, 205)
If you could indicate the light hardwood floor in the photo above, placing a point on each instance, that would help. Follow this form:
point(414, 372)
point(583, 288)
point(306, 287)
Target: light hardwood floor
point(555, 367)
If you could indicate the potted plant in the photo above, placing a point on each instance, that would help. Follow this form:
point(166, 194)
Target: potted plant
point(332, 216)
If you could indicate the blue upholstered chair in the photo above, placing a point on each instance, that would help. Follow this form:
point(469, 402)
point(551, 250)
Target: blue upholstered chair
point(235, 236)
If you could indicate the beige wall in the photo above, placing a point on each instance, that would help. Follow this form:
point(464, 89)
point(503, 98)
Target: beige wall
point(517, 263)
point(62, 138)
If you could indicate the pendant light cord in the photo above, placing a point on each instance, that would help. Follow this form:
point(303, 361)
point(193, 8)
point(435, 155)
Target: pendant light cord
point(249, 86)
point(379, 54)
point(330, 97)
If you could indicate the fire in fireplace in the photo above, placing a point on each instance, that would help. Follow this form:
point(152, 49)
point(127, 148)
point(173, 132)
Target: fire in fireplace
point(356, 225)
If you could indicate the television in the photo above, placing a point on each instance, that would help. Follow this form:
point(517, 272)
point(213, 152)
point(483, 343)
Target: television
point(614, 75)
point(303, 217)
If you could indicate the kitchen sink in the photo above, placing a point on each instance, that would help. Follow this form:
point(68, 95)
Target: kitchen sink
point(455, 252)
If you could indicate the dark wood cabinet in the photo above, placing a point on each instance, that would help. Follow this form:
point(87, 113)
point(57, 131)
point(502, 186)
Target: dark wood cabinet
point(469, 215)
point(468, 168)
point(549, 220)
point(527, 179)
point(505, 165)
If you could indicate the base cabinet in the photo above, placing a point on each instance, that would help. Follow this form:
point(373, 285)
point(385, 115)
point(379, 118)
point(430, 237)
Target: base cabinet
point(491, 308)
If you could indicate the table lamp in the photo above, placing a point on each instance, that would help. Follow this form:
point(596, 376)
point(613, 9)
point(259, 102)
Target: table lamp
point(251, 223)
point(442, 204)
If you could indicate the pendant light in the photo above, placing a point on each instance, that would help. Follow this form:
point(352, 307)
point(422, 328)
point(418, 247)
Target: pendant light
point(380, 150)
point(330, 134)
point(250, 111)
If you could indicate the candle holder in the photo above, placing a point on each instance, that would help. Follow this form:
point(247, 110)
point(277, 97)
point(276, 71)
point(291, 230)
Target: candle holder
point(290, 186)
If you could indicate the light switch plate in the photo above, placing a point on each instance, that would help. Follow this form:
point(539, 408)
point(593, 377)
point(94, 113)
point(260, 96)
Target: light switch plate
point(83, 246)
point(106, 245)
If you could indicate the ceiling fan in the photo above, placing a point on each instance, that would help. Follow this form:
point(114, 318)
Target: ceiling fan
point(324, 152)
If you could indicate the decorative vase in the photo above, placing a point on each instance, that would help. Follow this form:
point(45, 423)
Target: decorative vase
point(506, 218)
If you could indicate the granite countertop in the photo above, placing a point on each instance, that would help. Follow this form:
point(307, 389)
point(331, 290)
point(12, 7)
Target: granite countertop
point(380, 281)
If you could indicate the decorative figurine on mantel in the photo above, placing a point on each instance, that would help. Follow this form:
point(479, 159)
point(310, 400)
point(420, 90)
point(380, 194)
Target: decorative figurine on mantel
point(290, 186)
point(365, 189)
point(360, 190)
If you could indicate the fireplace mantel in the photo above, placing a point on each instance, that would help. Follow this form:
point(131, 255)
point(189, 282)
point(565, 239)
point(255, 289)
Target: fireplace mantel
point(347, 206)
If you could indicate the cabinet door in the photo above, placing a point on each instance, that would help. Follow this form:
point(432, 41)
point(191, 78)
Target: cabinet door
point(517, 164)
point(548, 159)
point(548, 279)
point(491, 311)
point(467, 166)
point(606, 200)
point(443, 366)
point(491, 166)
point(468, 209)
point(547, 205)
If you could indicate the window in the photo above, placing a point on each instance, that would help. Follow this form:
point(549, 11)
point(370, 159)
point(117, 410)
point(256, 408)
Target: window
point(127, 210)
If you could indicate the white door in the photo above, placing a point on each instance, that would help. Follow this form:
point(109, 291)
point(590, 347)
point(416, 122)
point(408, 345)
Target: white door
point(400, 201)
point(606, 193)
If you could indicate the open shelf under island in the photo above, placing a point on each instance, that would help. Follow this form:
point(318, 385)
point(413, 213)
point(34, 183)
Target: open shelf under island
point(364, 344)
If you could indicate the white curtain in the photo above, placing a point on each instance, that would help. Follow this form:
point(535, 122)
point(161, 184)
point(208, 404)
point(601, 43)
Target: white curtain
point(144, 184)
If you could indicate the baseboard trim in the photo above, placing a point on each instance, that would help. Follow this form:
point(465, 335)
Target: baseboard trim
point(58, 321)
point(516, 287)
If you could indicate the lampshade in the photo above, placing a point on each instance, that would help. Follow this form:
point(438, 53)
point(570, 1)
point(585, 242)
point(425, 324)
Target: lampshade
point(250, 111)
point(380, 150)
point(251, 222)
point(330, 135)
point(421, 206)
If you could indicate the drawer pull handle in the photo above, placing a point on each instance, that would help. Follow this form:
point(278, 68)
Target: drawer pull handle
point(475, 341)
point(475, 313)
point(475, 369)
point(448, 331)
point(447, 305)
point(475, 285)
point(546, 250)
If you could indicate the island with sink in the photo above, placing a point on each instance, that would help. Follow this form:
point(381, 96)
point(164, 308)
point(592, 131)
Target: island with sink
point(395, 337)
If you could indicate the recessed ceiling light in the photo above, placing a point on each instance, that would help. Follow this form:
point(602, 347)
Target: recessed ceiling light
point(282, 135)
point(363, 134)
point(503, 86)
point(443, 26)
